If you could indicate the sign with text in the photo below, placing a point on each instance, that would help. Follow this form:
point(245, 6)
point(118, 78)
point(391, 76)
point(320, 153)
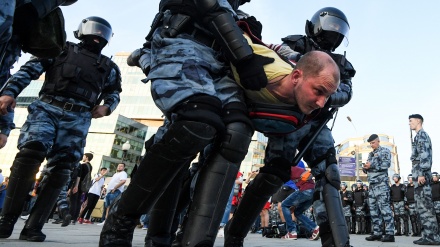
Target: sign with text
point(347, 166)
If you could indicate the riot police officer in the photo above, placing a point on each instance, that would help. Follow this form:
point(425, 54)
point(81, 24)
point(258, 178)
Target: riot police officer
point(435, 185)
point(203, 105)
point(411, 206)
point(353, 211)
point(347, 202)
point(76, 82)
point(397, 194)
point(34, 27)
point(326, 30)
point(359, 202)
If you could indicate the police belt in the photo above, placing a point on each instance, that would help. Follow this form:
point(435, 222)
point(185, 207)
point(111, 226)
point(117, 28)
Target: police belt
point(415, 162)
point(66, 106)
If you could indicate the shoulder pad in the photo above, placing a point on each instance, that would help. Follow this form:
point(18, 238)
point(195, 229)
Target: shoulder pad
point(292, 38)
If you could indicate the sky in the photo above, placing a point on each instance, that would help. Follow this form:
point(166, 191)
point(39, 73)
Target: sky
point(391, 46)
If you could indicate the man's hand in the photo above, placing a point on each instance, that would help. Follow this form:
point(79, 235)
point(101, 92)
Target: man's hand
point(421, 180)
point(5, 103)
point(367, 165)
point(100, 111)
point(75, 189)
point(251, 72)
point(3, 140)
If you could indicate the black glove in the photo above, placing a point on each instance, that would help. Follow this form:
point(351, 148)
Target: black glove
point(251, 72)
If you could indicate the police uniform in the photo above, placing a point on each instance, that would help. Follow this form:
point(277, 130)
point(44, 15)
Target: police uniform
point(11, 40)
point(436, 197)
point(203, 105)
point(56, 128)
point(411, 206)
point(359, 202)
point(398, 202)
point(379, 191)
point(421, 158)
point(346, 206)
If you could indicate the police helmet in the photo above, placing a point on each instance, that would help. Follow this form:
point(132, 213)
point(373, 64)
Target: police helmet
point(353, 187)
point(96, 26)
point(396, 176)
point(435, 174)
point(328, 27)
point(409, 176)
point(359, 182)
point(344, 184)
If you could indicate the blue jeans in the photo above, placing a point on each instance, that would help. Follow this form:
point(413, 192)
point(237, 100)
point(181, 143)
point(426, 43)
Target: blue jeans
point(110, 197)
point(144, 219)
point(227, 209)
point(301, 200)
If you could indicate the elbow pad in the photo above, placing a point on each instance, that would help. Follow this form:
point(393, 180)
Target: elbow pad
point(342, 96)
point(230, 37)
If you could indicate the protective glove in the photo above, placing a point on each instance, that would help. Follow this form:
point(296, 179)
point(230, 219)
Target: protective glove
point(251, 72)
point(140, 58)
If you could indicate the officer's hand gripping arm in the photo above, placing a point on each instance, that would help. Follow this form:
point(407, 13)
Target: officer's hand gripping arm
point(235, 47)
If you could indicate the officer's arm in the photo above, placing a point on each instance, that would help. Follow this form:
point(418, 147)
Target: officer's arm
point(7, 124)
point(31, 70)
point(112, 89)
point(425, 153)
point(384, 160)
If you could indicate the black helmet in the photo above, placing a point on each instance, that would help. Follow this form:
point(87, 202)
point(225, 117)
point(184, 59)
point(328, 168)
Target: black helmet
point(94, 26)
point(344, 184)
point(359, 182)
point(328, 27)
point(435, 174)
point(396, 176)
point(410, 176)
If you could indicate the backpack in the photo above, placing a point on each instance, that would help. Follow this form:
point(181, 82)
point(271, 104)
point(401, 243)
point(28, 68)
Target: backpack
point(87, 182)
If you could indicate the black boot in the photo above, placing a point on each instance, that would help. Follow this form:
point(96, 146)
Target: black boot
point(162, 162)
point(358, 224)
point(353, 225)
point(44, 204)
point(257, 194)
point(65, 217)
point(405, 225)
point(398, 226)
point(22, 178)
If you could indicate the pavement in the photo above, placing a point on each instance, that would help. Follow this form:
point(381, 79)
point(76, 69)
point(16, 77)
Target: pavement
point(88, 235)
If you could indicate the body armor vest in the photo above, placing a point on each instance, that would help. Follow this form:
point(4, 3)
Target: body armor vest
point(79, 74)
point(397, 193)
point(410, 194)
point(348, 195)
point(359, 198)
point(435, 191)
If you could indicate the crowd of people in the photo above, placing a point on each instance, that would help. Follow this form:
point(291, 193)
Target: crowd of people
point(216, 82)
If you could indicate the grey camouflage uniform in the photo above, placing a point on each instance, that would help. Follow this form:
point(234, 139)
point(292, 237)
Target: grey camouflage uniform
point(421, 158)
point(379, 191)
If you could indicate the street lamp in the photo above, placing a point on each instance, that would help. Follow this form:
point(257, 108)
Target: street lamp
point(356, 150)
point(125, 147)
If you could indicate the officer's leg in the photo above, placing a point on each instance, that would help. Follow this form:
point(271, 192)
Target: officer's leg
point(397, 223)
point(348, 222)
point(63, 205)
point(405, 224)
point(257, 194)
point(192, 130)
point(358, 222)
point(363, 224)
point(23, 171)
point(353, 222)
point(333, 229)
point(218, 175)
point(163, 212)
point(47, 198)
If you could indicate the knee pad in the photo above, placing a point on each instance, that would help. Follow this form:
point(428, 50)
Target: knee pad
point(279, 167)
point(201, 108)
point(235, 142)
point(184, 139)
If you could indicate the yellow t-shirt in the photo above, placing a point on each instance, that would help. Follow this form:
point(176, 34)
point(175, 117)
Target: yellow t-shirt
point(273, 70)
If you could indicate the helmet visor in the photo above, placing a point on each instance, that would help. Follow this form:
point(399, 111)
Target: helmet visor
point(335, 24)
point(98, 29)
